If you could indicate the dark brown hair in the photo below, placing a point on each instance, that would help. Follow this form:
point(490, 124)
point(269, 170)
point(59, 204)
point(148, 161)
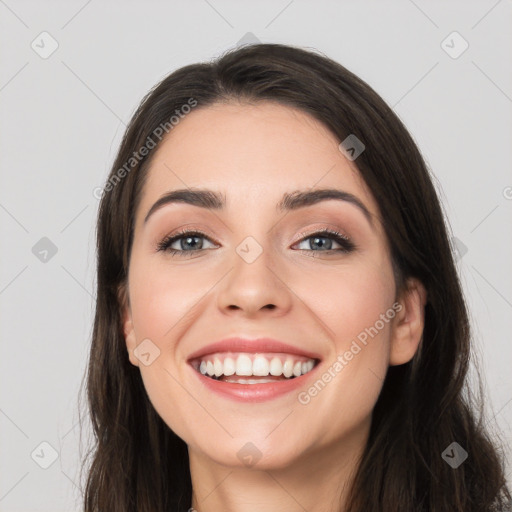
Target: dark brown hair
point(139, 464)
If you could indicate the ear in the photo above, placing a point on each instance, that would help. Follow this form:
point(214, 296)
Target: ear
point(407, 329)
point(127, 323)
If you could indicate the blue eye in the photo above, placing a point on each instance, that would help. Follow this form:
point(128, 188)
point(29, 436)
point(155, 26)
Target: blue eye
point(320, 241)
point(324, 240)
point(189, 241)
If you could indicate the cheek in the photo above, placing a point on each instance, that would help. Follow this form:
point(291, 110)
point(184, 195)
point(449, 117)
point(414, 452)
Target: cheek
point(161, 302)
point(161, 298)
point(347, 389)
point(353, 298)
point(355, 304)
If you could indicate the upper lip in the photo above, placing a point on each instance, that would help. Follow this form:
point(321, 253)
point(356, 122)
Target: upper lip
point(259, 345)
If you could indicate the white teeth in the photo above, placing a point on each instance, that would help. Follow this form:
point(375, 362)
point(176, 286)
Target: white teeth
point(229, 366)
point(260, 366)
point(247, 365)
point(218, 367)
point(276, 367)
point(244, 365)
point(288, 368)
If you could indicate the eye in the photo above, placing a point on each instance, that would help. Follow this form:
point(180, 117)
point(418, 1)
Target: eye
point(320, 241)
point(182, 242)
point(323, 240)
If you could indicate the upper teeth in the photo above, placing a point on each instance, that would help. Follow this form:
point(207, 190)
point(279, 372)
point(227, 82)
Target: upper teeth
point(255, 364)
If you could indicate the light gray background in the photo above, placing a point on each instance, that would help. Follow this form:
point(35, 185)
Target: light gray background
point(62, 119)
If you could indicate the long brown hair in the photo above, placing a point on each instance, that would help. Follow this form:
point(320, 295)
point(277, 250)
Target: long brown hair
point(139, 464)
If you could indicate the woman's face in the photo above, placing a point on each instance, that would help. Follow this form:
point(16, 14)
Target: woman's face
point(255, 267)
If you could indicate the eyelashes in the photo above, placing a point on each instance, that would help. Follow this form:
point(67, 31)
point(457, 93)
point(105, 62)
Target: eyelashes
point(346, 245)
point(189, 236)
point(165, 244)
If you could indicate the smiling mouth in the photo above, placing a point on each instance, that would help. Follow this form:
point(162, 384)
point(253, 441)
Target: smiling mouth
point(247, 368)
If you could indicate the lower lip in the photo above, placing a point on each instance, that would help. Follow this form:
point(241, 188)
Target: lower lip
point(254, 392)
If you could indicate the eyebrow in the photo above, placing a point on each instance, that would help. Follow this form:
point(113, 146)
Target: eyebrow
point(211, 200)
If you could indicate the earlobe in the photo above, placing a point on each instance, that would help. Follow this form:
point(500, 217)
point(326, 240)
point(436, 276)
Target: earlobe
point(130, 338)
point(408, 324)
point(128, 329)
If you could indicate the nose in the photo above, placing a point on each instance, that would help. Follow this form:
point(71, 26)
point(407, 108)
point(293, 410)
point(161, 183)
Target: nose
point(252, 289)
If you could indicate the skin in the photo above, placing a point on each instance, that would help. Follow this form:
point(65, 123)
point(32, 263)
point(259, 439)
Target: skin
point(253, 154)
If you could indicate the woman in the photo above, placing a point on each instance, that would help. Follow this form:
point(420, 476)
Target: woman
point(279, 323)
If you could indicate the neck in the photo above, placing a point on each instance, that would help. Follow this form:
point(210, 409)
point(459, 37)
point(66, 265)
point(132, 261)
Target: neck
point(317, 480)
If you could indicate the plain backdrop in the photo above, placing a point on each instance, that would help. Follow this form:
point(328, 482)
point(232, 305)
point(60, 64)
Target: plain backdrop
point(62, 118)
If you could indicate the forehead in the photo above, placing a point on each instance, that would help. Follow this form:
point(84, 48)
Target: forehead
point(253, 154)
